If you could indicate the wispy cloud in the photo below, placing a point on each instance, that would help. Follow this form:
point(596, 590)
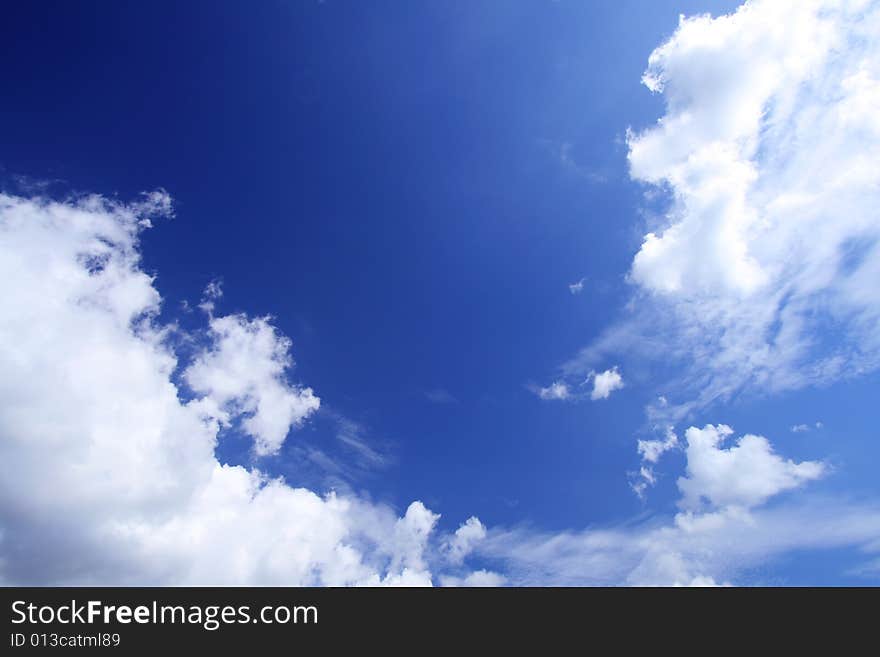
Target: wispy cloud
point(729, 523)
point(728, 546)
point(440, 396)
point(803, 428)
point(555, 391)
point(353, 436)
point(564, 153)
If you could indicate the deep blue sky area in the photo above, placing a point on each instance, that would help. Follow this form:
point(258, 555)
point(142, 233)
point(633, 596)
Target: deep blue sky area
point(408, 188)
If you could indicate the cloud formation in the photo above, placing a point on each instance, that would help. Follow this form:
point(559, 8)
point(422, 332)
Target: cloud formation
point(137, 496)
point(107, 468)
point(744, 475)
point(650, 451)
point(242, 374)
point(556, 390)
point(725, 546)
point(768, 149)
point(729, 523)
point(465, 538)
point(758, 275)
point(604, 383)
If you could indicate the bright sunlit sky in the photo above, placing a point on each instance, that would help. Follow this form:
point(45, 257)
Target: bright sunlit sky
point(444, 206)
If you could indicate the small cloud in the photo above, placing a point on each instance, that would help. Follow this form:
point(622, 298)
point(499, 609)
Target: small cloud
point(605, 383)
point(743, 475)
point(213, 291)
point(803, 428)
point(556, 390)
point(570, 163)
point(639, 486)
point(576, 288)
point(157, 203)
point(563, 153)
point(353, 435)
point(462, 543)
point(440, 396)
point(652, 450)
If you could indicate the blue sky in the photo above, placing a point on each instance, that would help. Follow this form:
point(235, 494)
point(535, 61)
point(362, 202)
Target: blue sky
point(409, 190)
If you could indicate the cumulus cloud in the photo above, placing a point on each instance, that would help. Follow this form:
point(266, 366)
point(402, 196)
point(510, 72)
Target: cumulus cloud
point(726, 527)
point(604, 383)
point(768, 146)
point(744, 475)
point(759, 272)
point(137, 496)
point(478, 578)
point(242, 374)
point(107, 469)
point(465, 538)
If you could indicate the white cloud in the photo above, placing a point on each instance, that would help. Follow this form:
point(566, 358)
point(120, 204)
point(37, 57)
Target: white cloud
point(411, 534)
point(478, 578)
point(243, 374)
point(760, 276)
point(768, 148)
point(728, 546)
point(213, 292)
point(465, 538)
point(605, 383)
point(725, 530)
point(152, 204)
point(766, 154)
point(556, 390)
point(108, 477)
point(652, 450)
point(745, 475)
point(800, 428)
point(576, 288)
